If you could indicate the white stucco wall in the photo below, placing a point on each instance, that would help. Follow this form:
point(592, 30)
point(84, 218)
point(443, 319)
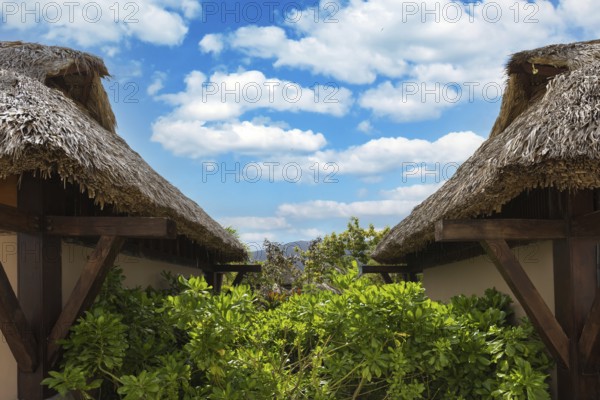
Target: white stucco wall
point(8, 365)
point(138, 271)
point(473, 276)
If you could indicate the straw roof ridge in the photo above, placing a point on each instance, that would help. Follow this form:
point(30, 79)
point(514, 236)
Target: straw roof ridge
point(572, 55)
point(38, 61)
point(44, 131)
point(553, 142)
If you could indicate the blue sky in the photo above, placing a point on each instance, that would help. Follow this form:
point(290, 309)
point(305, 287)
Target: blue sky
point(284, 118)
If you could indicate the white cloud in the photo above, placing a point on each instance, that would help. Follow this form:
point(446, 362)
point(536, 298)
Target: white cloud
point(396, 203)
point(320, 56)
point(193, 138)
point(413, 192)
point(157, 83)
point(271, 223)
point(127, 74)
point(389, 153)
point(582, 13)
point(309, 233)
point(225, 96)
point(365, 126)
point(416, 160)
point(158, 26)
point(110, 51)
point(102, 22)
point(204, 120)
point(362, 192)
point(413, 101)
point(191, 8)
point(256, 239)
point(321, 209)
point(211, 43)
point(395, 39)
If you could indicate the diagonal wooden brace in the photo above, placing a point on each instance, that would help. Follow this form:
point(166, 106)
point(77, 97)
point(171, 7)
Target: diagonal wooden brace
point(15, 328)
point(85, 291)
point(524, 290)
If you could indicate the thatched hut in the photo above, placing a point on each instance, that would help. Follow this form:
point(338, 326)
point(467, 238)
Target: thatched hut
point(521, 213)
point(67, 178)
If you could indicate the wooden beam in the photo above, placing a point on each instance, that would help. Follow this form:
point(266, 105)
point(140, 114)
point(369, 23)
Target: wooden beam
point(86, 290)
point(15, 328)
point(387, 269)
point(506, 229)
point(233, 268)
point(537, 310)
point(589, 341)
point(587, 225)
point(14, 220)
point(140, 227)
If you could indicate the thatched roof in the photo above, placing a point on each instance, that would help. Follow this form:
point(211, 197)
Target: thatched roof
point(55, 118)
point(547, 135)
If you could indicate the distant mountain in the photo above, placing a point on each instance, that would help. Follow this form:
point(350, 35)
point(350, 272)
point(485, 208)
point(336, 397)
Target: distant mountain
point(261, 255)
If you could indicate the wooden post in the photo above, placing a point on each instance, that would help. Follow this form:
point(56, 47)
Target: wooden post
point(214, 273)
point(214, 279)
point(39, 277)
point(575, 288)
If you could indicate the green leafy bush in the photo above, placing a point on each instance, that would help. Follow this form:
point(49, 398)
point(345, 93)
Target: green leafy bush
point(336, 253)
point(359, 341)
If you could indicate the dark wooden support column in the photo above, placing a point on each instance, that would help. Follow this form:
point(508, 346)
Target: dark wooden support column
point(15, 328)
point(412, 277)
point(589, 342)
point(386, 277)
point(534, 305)
point(214, 273)
point(575, 287)
point(85, 291)
point(214, 279)
point(39, 277)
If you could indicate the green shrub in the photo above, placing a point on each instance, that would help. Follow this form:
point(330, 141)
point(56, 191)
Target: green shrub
point(361, 341)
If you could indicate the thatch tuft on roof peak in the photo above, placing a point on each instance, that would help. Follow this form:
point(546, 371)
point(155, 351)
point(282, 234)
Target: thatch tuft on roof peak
point(77, 74)
point(530, 71)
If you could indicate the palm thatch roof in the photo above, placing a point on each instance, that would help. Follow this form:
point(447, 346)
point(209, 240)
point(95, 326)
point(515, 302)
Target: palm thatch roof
point(55, 118)
point(547, 135)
